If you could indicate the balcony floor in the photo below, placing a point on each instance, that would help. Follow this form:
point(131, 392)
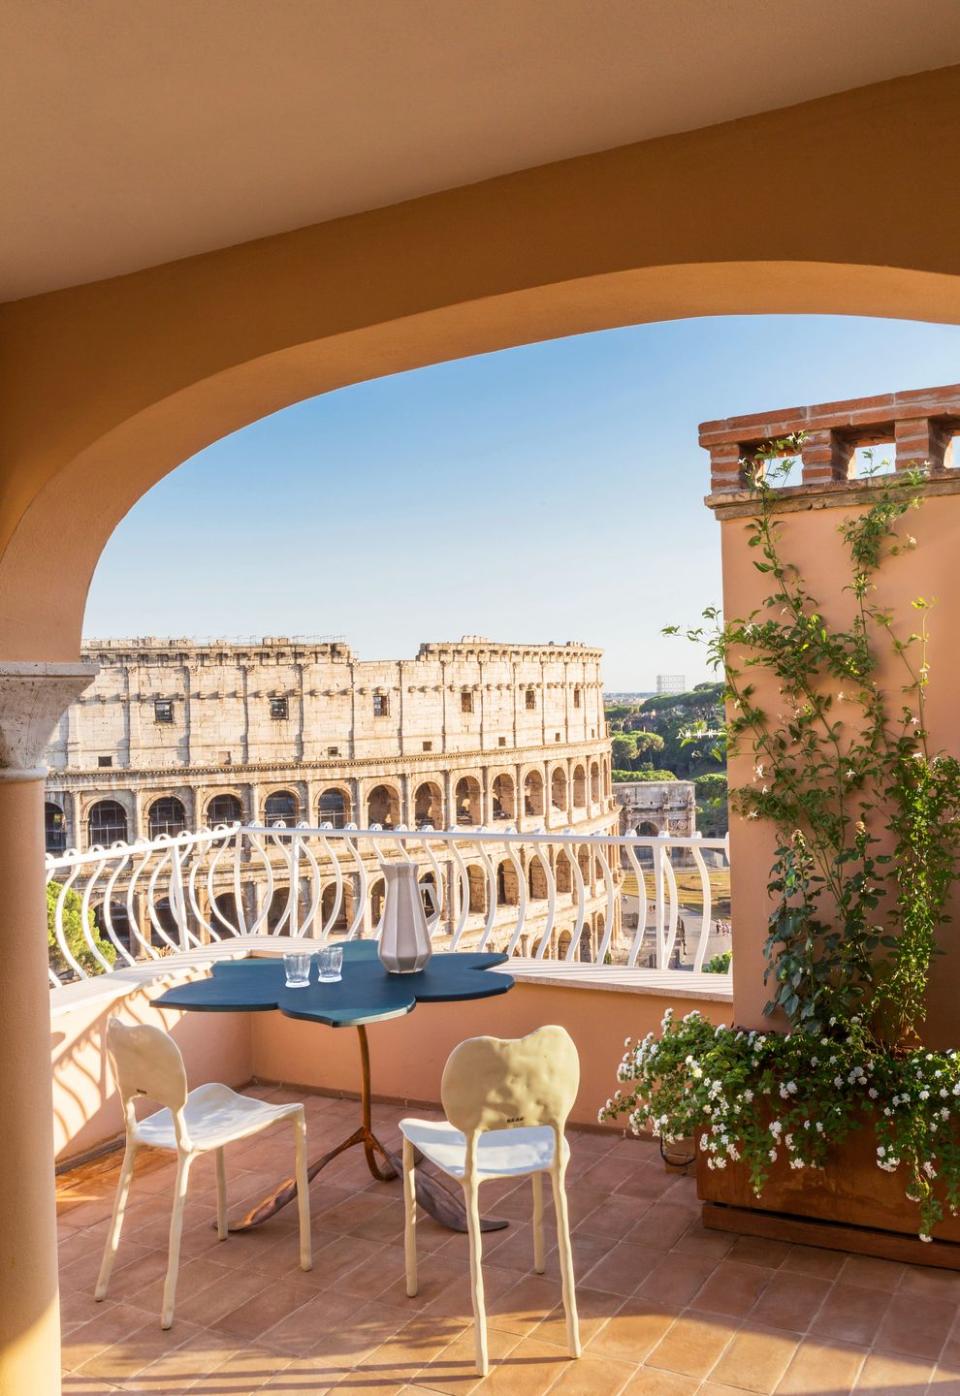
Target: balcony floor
point(667, 1308)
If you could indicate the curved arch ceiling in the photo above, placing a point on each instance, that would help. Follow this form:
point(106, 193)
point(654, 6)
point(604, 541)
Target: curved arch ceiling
point(140, 133)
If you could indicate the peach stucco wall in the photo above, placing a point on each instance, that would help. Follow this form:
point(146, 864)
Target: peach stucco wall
point(810, 538)
point(407, 1053)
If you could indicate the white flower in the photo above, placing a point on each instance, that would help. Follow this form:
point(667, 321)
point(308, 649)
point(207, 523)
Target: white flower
point(819, 1127)
point(773, 1156)
point(748, 1096)
point(873, 1092)
point(881, 1151)
point(838, 1081)
point(924, 1237)
point(924, 1095)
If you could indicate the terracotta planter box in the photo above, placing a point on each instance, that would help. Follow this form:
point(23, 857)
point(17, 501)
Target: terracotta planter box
point(849, 1205)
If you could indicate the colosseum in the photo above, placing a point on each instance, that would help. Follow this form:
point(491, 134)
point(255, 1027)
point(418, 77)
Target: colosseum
point(175, 735)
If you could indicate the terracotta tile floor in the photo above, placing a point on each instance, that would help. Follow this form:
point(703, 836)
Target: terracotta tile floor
point(667, 1309)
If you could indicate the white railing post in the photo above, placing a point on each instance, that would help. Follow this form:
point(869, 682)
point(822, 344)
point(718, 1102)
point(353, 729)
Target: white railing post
point(178, 907)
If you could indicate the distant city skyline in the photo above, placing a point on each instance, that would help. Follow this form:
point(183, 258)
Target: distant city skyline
point(552, 491)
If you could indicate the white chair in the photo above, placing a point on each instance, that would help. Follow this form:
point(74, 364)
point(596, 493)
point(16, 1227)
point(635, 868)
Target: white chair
point(147, 1062)
point(506, 1102)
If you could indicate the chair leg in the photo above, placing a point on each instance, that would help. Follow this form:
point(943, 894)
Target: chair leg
point(176, 1227)
point(558, 1178)
point(472, 1200)
point(222, 1229)
point(410, 1219)
point(539, 1264)
point(116, 1223)
point(303, 1189)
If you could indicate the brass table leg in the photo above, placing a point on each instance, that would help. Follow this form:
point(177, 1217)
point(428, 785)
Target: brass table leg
point(433, 1196)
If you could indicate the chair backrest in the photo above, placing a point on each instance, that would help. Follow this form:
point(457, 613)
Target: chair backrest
point(504, 1083)
point(147, 1062)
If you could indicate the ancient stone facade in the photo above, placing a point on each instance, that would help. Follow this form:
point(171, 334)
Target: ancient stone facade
point(652, 807)
point(175, 735)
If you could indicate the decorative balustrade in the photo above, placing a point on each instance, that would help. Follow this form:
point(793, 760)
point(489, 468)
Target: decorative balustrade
point(616, 899)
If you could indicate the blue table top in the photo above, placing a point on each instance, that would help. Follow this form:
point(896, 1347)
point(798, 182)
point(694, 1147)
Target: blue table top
point(365, 994)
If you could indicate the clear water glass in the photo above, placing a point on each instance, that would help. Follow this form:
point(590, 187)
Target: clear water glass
point(330, 960)
point(297, 967)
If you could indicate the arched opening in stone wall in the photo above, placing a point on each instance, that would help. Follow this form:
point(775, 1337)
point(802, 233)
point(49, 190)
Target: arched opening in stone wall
point(586, 945)
point(558, 788)
point(585, 864)
point(537, 878)
point(533, 794)
point(504, 805)
point(647, 829)
point(333, 807)
point(594, 783)
point(579, 788)
point(468, 801)
point(508, 891)
point(228, 922)
point(563, 944)
point(224, 809)
point(345, 910)
point(563, 872)
point(281, 807)
point(54, 827)
point(428, 806)
point(378, 894)
point(383, 807)
point(166, 816)
point(429, 892)
point(477, 889)
point(107, 823)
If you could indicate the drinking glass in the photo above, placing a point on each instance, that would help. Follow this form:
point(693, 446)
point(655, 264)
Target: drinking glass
point(331, 964)
point(297, 967)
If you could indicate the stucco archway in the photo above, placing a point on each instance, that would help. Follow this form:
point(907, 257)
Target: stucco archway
point(110, 386)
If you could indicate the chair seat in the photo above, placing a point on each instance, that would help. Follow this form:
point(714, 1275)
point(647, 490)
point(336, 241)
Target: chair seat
point(215, 1115)
point(501, 1153)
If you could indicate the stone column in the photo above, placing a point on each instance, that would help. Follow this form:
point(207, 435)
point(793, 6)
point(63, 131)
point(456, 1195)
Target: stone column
point(32, 698)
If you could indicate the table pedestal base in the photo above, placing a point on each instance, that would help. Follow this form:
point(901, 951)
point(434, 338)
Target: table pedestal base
point(433, 1196)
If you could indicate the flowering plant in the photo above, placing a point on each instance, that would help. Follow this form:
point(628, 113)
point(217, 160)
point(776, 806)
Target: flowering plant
point(757, 1097)
point(867, 818)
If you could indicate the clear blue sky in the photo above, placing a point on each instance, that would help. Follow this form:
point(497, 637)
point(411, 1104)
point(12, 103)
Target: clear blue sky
point(551, 492)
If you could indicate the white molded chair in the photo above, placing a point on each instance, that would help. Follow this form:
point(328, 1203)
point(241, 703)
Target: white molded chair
point(506, 1102)
point(147, 1062)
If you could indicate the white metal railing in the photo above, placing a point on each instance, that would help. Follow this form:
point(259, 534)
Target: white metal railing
point(620, 899)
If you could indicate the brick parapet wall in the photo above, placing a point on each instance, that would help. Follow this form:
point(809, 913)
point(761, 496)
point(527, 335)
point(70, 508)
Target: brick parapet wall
point(921, 425)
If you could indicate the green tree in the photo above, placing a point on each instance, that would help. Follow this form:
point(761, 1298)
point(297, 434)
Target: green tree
point(72, 919)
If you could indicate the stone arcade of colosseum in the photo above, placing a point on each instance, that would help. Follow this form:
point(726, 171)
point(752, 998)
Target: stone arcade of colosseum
point(176, 735)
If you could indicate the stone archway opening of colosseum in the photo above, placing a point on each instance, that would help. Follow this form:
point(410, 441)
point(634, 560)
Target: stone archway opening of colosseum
point(428, 806)
point(477, 889)
point(333, 808)
point(558, 789)
point(166, 816)
point(579, 788)
point(508, 886)
point(378, 892)
point(504, 802)
point(281, 807)
point(54, 827)
point(468, 801)
point(383, 807)
point(224, 809)
point(533, 794)
point(537, 879)
point(563, 872)
point(594, 782)
point(106, 823)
